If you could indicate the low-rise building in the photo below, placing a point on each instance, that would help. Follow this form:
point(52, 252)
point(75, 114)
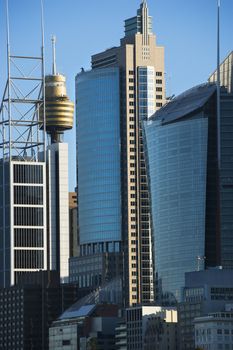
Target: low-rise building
point(152, 328)
point(121, 336)
point(28, 310)
point(205, 292)
point(214, 331)
point(85, 327)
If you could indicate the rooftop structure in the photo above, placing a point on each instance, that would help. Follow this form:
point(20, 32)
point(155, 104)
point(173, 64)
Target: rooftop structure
point(59, 109)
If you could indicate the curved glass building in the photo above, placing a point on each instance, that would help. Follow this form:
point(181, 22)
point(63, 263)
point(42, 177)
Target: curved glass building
point(98, 159)
point(181, 159)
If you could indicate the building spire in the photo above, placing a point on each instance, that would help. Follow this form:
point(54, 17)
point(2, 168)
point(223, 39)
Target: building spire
point(141, 23)
point(144, 4)
point(54, 70)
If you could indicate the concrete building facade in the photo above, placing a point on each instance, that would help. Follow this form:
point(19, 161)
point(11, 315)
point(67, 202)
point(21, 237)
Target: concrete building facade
point(205, 292)
point(28, 309)
point(58, 209)
point(151, 327)
point(214, 331)
point(85, 327)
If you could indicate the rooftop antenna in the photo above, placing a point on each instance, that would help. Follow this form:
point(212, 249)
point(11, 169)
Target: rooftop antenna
point(54, 71)
point(200, 262)
point(218, 85)
point(218, 236)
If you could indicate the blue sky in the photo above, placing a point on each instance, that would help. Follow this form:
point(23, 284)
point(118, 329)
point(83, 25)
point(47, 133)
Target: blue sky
point(186, 28)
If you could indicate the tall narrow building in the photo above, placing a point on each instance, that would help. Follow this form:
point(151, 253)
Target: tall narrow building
point(59, 118)
point(23, 216)
point(192, 228)
point(126, 84)
point(34, 207)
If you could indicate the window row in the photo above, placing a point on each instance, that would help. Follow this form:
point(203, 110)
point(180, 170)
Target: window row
point(25, 173)
point(29, 259)
point(28, 195)
point(24, 237)
point(28, 216)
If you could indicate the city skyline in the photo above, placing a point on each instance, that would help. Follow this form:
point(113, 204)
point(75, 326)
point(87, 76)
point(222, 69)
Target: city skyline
point(124, 226)
point(104, 26)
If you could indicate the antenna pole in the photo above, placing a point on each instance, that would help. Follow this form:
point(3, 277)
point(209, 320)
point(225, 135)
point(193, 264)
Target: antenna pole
point(43, 80)
point(9, 73)
point(218, 87)
point(218, 237)
point(54, 71)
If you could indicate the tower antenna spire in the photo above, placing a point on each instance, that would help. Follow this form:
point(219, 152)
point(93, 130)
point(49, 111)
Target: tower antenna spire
point(54, 71)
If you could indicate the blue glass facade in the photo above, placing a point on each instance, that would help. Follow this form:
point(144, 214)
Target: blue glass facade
point(98, 158)
point(177, 163)
point(146, 92)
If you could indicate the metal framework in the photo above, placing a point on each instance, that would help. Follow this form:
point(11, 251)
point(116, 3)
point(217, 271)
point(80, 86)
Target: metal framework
point(22, 123)
point(22, 137)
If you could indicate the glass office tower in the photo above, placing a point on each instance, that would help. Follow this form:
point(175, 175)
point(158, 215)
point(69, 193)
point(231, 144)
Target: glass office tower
point(98, 157)
point(178, 180)
point(99, 175)
point(184, 184)
point(141, 92)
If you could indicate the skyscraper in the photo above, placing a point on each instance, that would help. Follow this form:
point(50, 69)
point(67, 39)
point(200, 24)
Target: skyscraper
point(192, 221)
point(59, 118)
point(23, 216)
point(125, 85)
point(226, 73)
point(34, 217)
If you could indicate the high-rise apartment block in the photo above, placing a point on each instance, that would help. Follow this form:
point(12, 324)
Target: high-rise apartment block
point(126, 84)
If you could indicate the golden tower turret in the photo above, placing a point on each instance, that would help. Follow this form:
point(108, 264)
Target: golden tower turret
point(59, 110)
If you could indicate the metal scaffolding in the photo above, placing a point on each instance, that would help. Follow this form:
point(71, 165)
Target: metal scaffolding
point(22, 123)
point(22, 140)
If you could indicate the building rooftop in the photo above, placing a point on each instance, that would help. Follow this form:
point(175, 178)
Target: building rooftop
point(77, 311)
point(213, 277)
point(185, 104)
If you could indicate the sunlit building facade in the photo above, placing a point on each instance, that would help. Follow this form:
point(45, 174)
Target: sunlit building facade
point(191, 205)
point(110, 143)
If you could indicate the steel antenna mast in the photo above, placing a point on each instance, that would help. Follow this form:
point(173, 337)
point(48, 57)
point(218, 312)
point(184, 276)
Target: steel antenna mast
point(22, 158)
